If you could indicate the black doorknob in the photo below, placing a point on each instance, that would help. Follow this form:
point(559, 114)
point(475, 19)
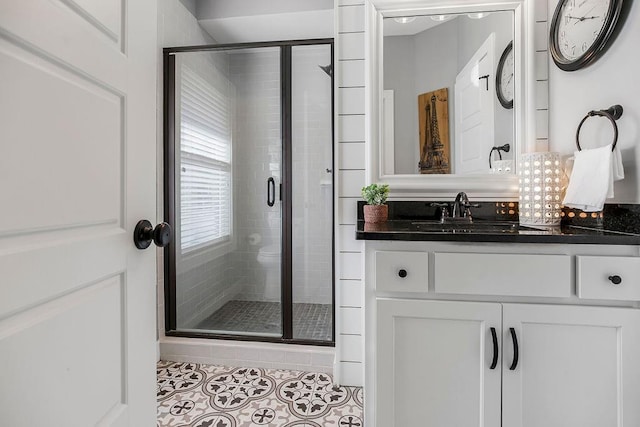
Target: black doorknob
point(616, 280)
point(402, 273)
point(144, 234)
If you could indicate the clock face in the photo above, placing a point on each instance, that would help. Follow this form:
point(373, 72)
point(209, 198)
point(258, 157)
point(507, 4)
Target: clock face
point(506, 77)
point(505, 86)
point(580, 23)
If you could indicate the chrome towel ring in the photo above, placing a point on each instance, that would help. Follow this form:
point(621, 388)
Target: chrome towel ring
point(612, 113)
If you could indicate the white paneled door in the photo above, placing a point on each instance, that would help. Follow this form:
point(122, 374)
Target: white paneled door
point(474, 118)
point(77, 171)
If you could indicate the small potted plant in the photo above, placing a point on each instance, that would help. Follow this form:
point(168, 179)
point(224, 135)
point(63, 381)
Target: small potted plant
point(375, 211)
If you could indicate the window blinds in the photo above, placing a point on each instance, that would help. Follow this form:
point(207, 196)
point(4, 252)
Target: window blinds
point(205, 162)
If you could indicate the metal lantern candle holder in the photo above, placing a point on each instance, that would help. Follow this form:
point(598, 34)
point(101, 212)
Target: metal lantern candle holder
point(540, 176)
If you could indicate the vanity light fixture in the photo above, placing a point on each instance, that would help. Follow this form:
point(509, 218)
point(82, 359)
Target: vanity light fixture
point(540, 177)
point(405, 19)
point(477, 15)
point(442, 18)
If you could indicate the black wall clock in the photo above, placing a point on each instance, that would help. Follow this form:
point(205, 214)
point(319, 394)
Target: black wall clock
point(504, 78)
point(581, 30)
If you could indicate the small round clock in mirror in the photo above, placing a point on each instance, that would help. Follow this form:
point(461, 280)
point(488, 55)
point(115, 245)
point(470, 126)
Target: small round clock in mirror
point(581, 31)
point(504, 78)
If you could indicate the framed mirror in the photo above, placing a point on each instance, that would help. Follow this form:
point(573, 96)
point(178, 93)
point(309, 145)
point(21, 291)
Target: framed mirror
point(444, 93)
point(451, 87)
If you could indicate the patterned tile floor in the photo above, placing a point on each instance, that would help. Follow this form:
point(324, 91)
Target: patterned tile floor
point(310, 321)
point(195, 395)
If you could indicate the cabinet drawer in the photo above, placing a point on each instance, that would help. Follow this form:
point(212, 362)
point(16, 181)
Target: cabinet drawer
point(503, 274)
point(594, 273)
point(392, 266)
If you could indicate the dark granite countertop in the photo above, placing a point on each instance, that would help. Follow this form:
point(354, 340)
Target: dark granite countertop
point(498, 222)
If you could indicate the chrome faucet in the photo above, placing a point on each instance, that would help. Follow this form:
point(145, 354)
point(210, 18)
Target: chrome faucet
point(462, 208)
point(461, 202)
point(460, 211)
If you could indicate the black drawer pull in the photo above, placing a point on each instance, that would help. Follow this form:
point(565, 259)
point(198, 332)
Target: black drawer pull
point(402, 273)
point(494, 337)
point(616, 280)
point(515, 349)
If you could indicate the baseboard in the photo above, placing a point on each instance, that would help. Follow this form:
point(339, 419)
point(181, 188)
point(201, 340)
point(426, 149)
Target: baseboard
point(248, 354)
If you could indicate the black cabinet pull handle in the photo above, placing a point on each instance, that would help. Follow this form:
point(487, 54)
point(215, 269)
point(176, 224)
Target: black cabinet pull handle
point(494, 337)
point(515, 349)
point(271, 191)
point(616, 280)
point(402, 273)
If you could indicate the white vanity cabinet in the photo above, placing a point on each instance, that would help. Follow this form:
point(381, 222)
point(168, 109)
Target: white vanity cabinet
point(558, 359)
point(434, 363)
point(577, 366)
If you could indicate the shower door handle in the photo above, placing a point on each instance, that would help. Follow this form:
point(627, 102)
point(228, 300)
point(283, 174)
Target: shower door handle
point(271, 191)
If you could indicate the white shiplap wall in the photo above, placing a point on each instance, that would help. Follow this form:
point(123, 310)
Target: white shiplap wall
point(350, 158)
point(541, 46)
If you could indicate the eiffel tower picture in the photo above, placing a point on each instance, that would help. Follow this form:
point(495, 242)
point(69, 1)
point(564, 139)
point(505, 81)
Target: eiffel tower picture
point(433, 112)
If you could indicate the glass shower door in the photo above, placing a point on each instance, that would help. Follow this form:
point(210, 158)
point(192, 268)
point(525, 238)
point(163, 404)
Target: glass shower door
point(312, 189)
point(249, 187)
point(228, 162)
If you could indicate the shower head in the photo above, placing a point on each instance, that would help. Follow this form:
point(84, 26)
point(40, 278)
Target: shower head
point(327, 69)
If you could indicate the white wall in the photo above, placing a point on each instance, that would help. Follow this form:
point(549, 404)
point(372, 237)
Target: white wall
point(212, 9)
point(613, 79)
point(399, 76)
point(190, 5)
point(233, 21)
point(350, 159)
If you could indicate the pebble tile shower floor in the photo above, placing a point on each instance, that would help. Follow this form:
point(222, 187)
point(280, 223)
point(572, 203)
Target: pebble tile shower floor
point(195, 395)
point(310, 321)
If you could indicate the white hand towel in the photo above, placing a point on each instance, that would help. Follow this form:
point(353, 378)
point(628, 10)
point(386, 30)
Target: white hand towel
point(616, 166)
point(592, 177)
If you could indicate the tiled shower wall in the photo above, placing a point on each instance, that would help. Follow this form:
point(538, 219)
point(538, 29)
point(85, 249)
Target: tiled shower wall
point(204, 287)
point(257, 156)
point(312, 175)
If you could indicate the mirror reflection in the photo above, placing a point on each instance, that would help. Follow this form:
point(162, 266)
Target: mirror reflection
point(448, 94)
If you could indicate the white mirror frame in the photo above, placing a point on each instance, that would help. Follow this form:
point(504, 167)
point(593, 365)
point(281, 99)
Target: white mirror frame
point(477, 186)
